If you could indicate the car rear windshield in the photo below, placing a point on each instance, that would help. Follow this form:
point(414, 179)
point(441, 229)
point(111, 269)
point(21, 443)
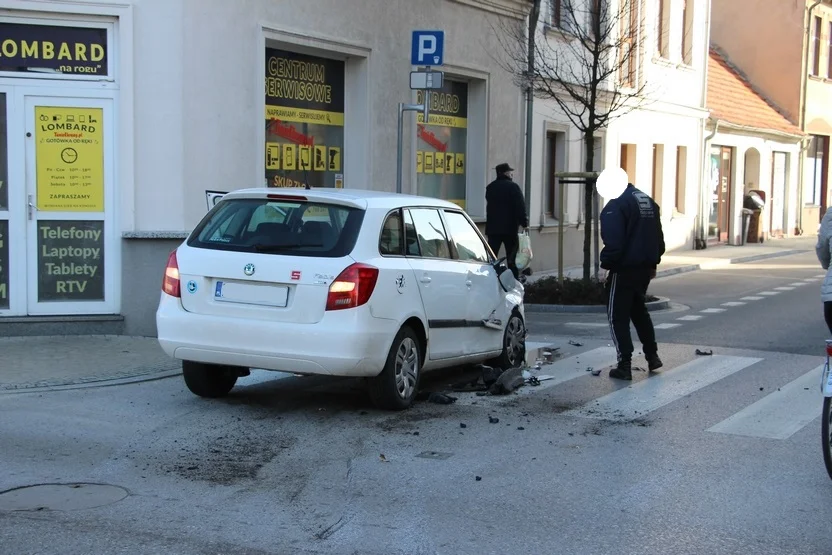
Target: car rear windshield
point(287, 227)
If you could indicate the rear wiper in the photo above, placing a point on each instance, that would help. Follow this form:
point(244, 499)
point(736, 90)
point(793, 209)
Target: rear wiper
point(259, 247)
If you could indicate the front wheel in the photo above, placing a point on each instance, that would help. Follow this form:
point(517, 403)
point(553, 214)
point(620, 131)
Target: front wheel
point(825, 432)
point(514, 343)
point(397, 385)
point(209, 380)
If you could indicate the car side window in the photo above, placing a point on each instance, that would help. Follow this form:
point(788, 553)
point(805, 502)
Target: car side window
point(433, 240)
point(391, 241)
point(411, 241)
point(469, 245)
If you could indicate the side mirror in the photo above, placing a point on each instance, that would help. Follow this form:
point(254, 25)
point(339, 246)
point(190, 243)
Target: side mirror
point(500, 265)
point(507, 281)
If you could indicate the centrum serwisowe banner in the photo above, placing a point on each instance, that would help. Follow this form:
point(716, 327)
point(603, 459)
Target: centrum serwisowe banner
point(304, 120)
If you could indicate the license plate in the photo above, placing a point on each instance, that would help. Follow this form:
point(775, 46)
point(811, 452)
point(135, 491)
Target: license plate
point(252, 293)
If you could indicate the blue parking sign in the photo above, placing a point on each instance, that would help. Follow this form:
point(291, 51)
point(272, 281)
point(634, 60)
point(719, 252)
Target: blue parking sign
point(427, 48)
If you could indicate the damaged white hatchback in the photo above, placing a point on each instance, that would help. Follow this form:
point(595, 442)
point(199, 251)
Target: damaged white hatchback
point(338, 283)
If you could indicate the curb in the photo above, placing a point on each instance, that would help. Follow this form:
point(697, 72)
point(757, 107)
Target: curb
point(123, 378)
point(726, 262)
point(660, 304)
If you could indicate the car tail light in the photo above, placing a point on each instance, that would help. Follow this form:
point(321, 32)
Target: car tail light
point(170, 283)
point(352, 288)
point(829, 349)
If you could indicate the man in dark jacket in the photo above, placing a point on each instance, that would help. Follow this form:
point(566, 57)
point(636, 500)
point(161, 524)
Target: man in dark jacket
point(505, 211)
point(631, 230)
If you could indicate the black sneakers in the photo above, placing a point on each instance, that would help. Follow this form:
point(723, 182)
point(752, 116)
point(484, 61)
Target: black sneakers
point(654, 362)
point(623, 371)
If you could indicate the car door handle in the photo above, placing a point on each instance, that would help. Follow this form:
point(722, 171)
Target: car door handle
point(425, 279)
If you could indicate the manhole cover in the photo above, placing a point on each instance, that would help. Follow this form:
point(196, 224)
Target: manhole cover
point(60, 497)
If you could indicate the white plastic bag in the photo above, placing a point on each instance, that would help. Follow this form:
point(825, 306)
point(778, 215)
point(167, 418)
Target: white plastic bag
point(524, 251)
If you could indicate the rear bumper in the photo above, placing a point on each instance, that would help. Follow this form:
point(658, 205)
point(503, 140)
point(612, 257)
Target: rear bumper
point(344, 343)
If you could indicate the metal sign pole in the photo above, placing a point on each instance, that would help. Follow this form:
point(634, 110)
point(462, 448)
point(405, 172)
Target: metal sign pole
point(424, 107)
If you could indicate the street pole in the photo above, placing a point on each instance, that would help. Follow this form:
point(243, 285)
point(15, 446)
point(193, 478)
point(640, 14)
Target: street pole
point(596, 224)
point(423, 107)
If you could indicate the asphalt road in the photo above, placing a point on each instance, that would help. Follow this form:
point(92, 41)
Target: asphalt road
point(771, 305)
point(717, 454)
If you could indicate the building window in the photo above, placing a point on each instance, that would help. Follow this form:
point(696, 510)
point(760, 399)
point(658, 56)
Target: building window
point(658, 173)
point(556, 13)
point(304, 120)
point(814, 174)
point(681, 178)
point(687, 31)
point(628, 51)
point(555, 162)
point(816, 38)
point(442, 144)
point(663, 28)
point(829, 54)
point(628, 161)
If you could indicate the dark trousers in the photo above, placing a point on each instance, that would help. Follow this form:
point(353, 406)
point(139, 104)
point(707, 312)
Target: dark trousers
point(512, 244)
point(827, 314)
point(626, 291)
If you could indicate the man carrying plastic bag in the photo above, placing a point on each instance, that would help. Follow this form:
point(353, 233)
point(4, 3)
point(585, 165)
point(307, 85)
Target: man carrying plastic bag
point(505, 211)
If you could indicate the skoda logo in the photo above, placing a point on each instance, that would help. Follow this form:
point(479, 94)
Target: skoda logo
point(248, 269)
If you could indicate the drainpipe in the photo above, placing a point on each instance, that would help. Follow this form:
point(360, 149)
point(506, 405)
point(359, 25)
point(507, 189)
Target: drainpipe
point(702, 240)
point(803, 93)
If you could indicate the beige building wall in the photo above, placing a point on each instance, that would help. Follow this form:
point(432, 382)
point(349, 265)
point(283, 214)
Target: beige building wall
point(743, 29)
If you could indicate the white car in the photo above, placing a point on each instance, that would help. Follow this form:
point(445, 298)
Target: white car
point(338, 283)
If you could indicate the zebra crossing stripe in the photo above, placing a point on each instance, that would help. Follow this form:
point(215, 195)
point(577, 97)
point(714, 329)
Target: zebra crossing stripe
point(572, 367)
point(662, 389)
point(780, 414)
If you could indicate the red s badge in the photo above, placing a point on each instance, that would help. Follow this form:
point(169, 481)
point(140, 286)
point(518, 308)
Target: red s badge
point(295, 275)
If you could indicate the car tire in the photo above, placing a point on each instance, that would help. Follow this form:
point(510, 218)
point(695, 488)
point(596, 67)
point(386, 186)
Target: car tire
point(208, 380)
point(514, 343)
point(397, 385)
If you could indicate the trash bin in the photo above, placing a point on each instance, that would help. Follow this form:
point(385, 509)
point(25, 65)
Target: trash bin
point(746, 220)
point(754, 202)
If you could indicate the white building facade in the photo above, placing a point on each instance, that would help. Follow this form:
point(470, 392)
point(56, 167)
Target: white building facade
point(118, 116)
point(659, 143)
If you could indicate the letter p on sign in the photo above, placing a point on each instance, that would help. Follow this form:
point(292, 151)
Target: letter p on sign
point(427, 48)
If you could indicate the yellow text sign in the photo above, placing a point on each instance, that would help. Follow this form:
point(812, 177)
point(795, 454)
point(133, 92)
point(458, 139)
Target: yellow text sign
point(305, 157)
point(288, 156)
point(334, 162)
point(320, 158)
point(420, 156)
point(272, 156)
point(69, 156)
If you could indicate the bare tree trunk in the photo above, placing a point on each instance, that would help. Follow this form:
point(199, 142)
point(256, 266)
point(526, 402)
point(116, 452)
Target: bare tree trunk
point(589, 143)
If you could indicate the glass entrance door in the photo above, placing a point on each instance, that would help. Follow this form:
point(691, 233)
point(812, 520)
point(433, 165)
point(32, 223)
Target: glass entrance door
point(69, 195)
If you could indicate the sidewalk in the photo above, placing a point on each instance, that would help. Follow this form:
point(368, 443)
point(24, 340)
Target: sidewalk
point(28, 363)
point(681, 261)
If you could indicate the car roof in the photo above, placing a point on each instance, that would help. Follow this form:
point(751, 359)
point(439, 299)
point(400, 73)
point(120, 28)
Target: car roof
point(359, 198)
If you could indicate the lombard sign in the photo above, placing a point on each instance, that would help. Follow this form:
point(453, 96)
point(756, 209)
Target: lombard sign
point(53, 49)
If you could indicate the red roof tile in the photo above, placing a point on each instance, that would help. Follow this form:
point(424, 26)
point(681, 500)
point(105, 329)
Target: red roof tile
point(731, 99)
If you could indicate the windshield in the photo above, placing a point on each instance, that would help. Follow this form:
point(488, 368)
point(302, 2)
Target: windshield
point(299, 228)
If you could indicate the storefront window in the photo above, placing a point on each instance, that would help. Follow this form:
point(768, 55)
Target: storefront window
point(304, 120)
point(442, 144)
point(70, 260)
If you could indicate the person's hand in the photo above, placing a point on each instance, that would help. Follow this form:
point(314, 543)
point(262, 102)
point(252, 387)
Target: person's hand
point(652, 273)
